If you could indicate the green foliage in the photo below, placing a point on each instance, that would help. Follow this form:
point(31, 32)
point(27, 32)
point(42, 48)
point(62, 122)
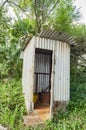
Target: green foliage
point(65, 15)
point(78, 96)
point(12, 105)
point(10, 45)
point(9, 50)
point(40, 10)
point(23, 27)
point(4, 27)
point(10, 63)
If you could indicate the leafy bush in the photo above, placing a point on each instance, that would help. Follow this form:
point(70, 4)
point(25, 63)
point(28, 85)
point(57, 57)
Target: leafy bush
point(78, 97)
point(12, 105)
point(75, 115)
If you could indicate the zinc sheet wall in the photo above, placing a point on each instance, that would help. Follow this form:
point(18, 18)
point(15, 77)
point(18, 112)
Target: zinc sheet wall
point(28, 72)
point(60, 78)
point(44, 43)
point(62, 72)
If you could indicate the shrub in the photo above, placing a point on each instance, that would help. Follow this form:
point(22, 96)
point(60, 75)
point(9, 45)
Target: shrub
point(12, 105)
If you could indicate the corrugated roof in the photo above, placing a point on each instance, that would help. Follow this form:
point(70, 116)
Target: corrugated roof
point(54, 35)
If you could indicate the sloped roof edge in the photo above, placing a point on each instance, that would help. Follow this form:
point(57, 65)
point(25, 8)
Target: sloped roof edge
point(53, 35)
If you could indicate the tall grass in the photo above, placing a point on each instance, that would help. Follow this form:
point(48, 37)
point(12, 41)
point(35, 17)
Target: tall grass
point(12, 105)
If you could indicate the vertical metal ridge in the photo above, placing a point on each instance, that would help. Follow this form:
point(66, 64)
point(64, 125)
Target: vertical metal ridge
point(44, 43)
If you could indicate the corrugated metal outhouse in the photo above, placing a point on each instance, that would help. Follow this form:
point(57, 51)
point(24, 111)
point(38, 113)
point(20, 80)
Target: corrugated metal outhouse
point(46, 70)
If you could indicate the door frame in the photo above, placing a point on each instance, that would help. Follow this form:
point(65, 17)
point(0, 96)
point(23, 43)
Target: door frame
point(49, 52)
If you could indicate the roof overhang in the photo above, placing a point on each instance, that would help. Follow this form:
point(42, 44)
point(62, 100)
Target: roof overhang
point(58, 36)
point(53, 35)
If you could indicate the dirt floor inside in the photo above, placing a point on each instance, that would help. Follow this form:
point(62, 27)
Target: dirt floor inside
point(38, 116)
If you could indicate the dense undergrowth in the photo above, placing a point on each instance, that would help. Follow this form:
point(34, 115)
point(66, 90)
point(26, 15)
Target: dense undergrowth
point(12, 108)
point(12, 105)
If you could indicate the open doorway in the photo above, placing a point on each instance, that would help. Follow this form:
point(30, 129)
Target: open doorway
point(42, 80)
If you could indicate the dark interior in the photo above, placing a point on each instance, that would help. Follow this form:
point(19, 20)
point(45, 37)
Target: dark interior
point(42, 76)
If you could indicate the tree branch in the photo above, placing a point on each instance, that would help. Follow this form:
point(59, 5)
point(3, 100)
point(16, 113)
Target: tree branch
point(3, 4)
point(10, 2)
point(53, 7)
point(37, 17)
point(49, 12)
